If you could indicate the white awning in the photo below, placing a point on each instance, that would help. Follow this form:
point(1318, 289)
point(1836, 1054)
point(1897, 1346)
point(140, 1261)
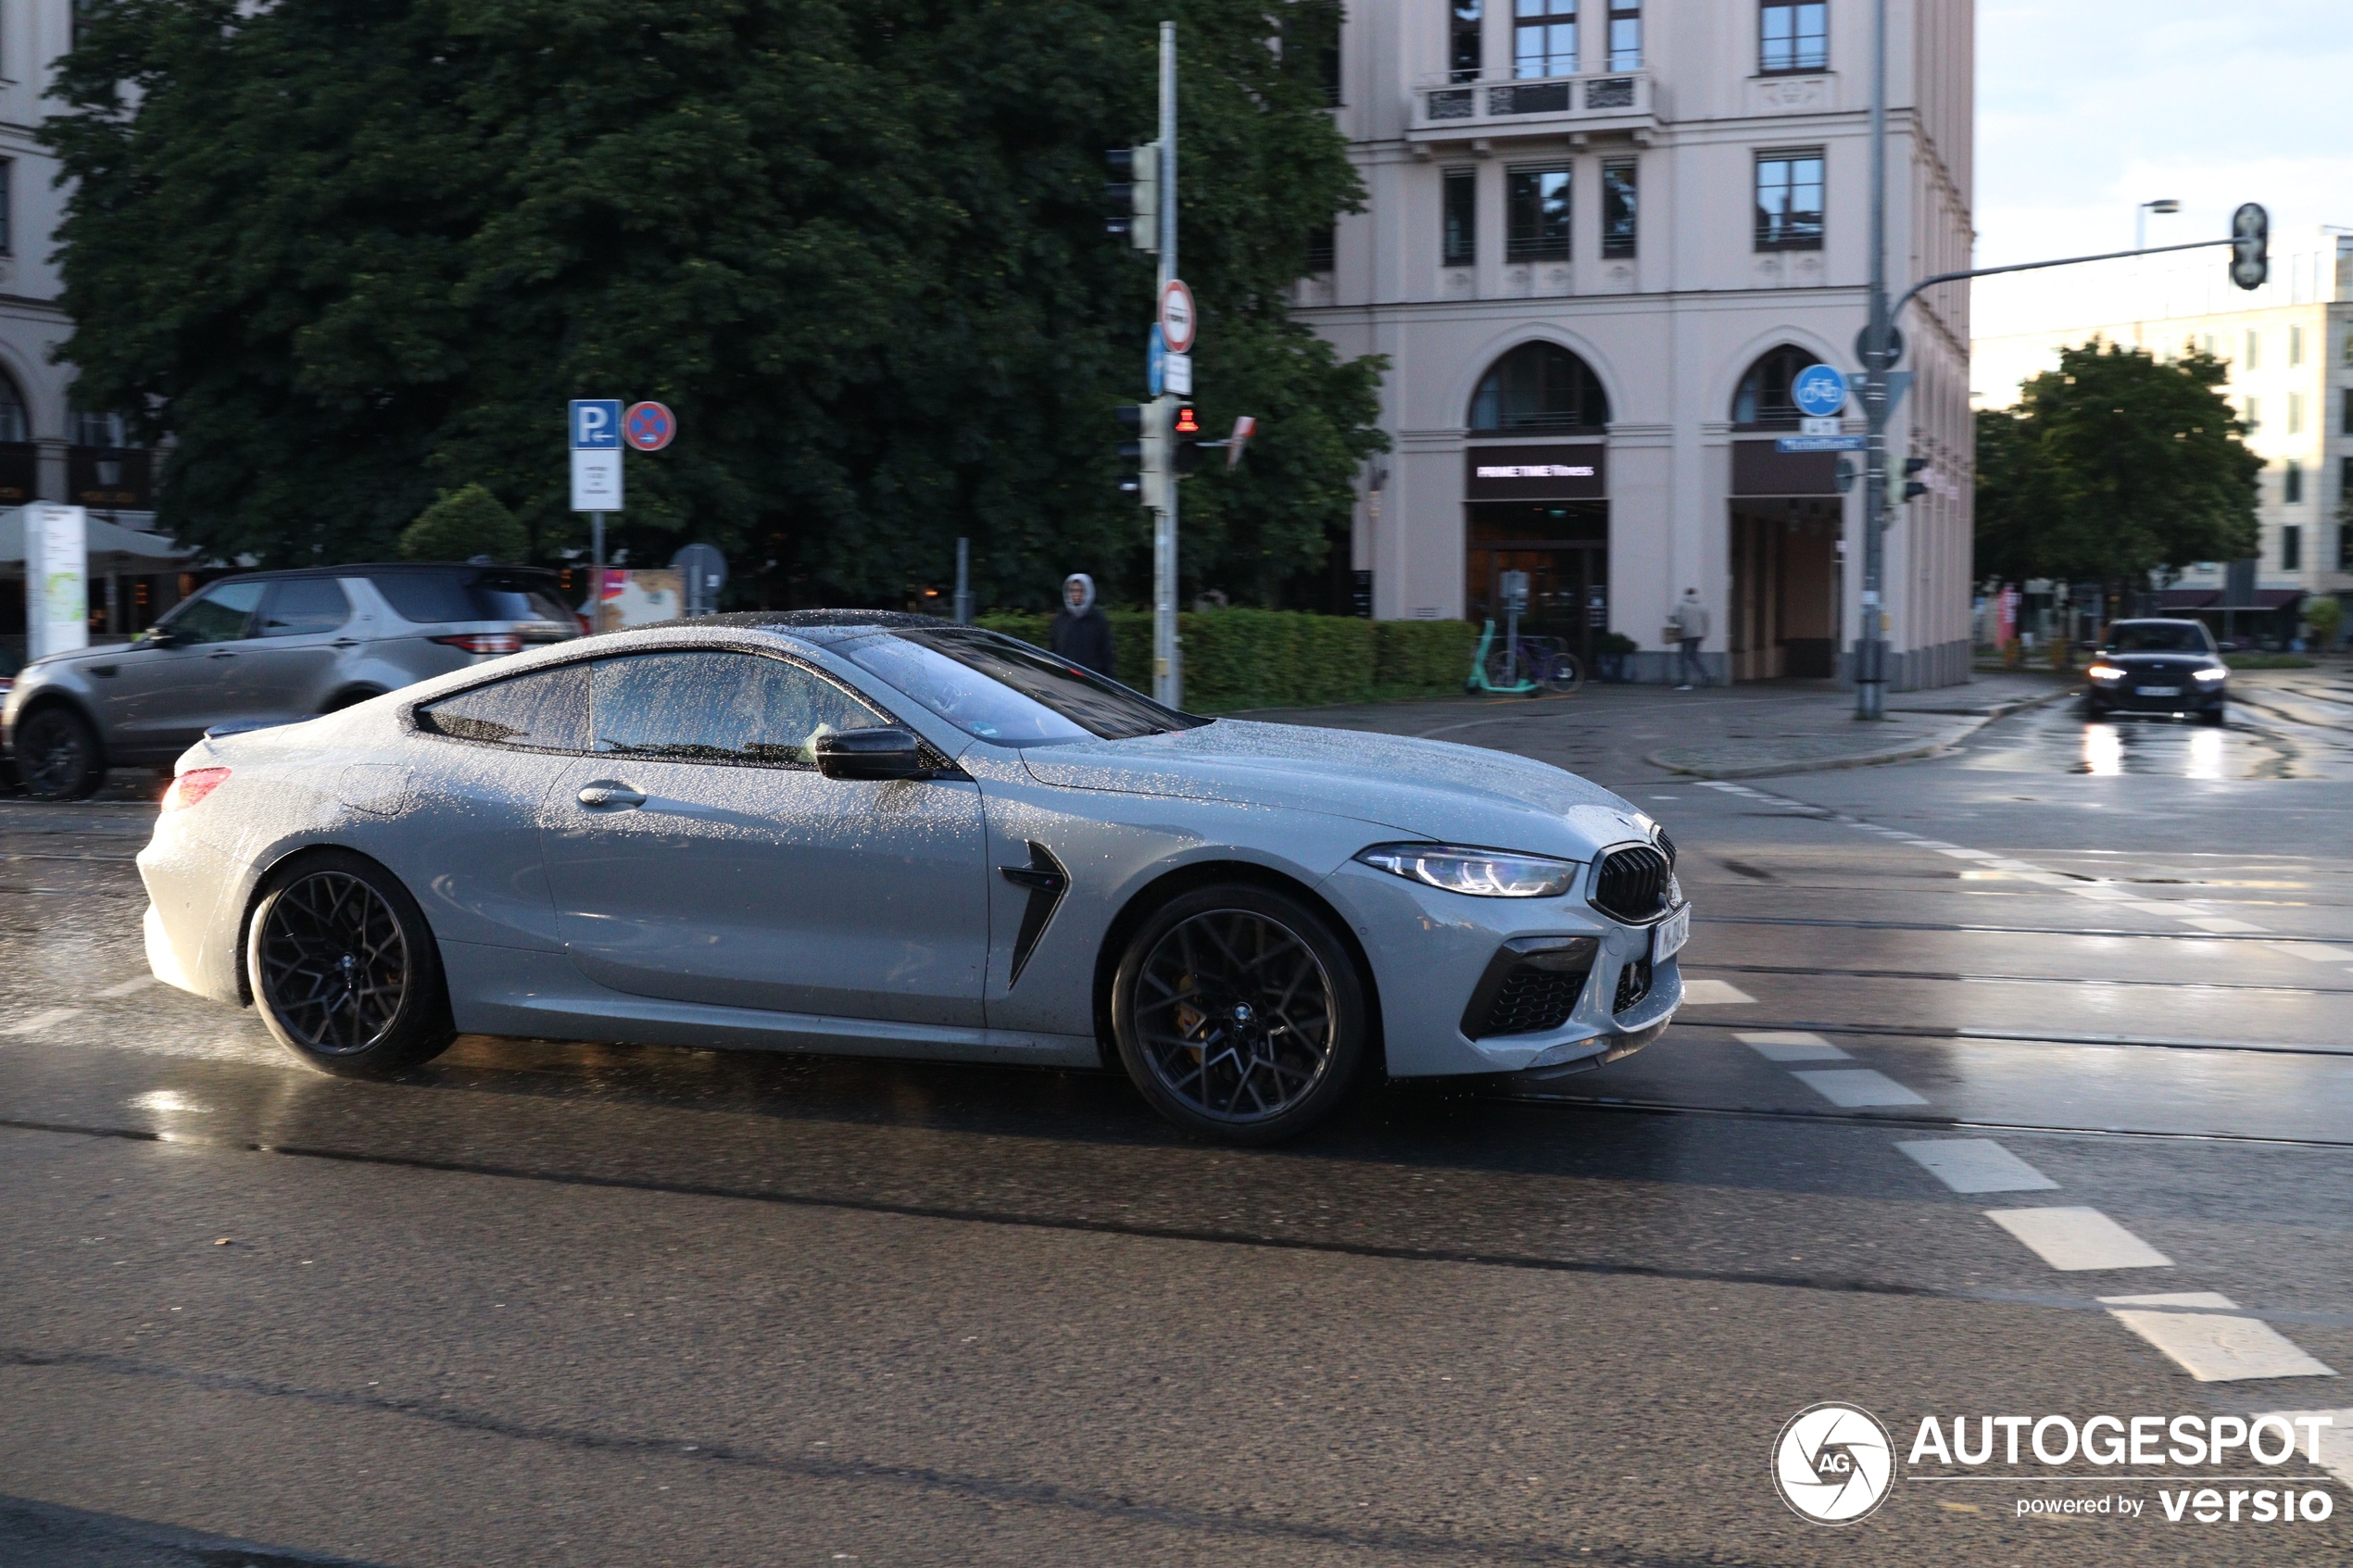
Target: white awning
point(113, 549)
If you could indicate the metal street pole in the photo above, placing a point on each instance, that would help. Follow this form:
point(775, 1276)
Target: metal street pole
point(1870, 650)
point(1169, 683)
point(964, 581)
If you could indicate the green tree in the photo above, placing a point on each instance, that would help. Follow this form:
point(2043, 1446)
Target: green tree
point(345, 252)
point(461, 525)
point(2114, 465)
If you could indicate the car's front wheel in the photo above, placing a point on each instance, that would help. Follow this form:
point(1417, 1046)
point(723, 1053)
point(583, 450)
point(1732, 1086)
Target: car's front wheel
point(344, 970)
point(59, 757)
point(1240, 1013)
point(2217, 714)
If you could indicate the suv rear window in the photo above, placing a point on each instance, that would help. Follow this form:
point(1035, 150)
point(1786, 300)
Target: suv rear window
point(434, 598)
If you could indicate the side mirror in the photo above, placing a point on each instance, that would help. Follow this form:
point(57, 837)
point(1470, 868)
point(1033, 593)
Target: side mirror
point(159, 637)
point(886, 752)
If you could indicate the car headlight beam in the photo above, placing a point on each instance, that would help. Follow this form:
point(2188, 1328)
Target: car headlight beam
point(1482, 873)
point(2105, 673)
point(2212, 674)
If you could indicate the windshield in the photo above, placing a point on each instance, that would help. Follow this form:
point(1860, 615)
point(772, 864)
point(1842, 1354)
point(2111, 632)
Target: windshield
point(1008, 692)
point(2159, 636)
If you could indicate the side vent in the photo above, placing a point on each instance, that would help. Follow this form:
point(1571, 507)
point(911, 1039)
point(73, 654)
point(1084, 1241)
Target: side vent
point(1046, 882)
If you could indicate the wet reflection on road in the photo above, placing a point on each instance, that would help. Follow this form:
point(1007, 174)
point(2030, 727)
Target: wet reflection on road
point(2062, 739)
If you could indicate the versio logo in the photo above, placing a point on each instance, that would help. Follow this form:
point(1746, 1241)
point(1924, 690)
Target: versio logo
point(1832, 1463)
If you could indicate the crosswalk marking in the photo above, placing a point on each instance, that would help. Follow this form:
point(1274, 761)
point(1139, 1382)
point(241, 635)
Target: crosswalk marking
point(1851, 1086)
point(1710, 993)
point(41, 1020)
point(2072, 1240)
point(1790, 1044)
point(2337, 1438)
point(2216, 1346)
point(1976, 1165)
point(112, 993)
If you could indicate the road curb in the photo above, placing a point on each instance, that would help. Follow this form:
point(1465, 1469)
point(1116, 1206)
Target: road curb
point(1862, 759)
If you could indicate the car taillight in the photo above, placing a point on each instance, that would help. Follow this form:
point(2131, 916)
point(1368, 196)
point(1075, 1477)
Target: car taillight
point(483, 642)
point(192, 786)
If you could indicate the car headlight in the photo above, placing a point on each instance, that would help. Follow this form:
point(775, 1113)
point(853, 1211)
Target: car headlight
point(2105, 673)
point(2212, 674)
point(1482, 873)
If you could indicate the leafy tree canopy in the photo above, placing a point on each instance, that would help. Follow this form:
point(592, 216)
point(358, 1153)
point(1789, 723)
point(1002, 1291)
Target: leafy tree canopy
point(346, 251)
point(458, 527)
point(2114, 465)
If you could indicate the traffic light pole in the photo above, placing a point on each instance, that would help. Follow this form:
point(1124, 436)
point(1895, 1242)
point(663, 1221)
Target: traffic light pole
point(1870, 647)
point(1168, 676)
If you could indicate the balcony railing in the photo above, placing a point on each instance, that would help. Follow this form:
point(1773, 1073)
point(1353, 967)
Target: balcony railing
point(1613, 98)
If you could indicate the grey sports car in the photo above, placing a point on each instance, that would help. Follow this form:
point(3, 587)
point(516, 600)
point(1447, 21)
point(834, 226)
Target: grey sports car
point(859, 832)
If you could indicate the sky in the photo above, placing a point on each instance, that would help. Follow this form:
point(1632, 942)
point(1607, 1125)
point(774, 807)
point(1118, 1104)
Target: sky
point(2086, 108)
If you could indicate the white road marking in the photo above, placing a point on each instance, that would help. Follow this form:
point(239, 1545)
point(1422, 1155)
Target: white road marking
point(1976, 1165)
point(1791, 1045)
point(2337, 1438)
point(113, 991)
point(41, 1020)
point(1958, 853)
point(1858, 1085)
point(2079, 1238)
point(2216, 1346)
point(1709, 993)
point(2217, 923)
point(2318, 952)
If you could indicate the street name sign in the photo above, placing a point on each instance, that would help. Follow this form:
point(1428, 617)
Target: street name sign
point(1819, 444)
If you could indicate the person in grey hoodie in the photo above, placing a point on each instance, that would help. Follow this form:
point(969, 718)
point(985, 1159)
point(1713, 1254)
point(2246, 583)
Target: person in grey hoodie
point(1690, 626)
point(1081, 632)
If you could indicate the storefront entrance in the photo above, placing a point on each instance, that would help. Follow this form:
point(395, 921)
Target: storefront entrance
point(1786, 520)
point(1541, 509)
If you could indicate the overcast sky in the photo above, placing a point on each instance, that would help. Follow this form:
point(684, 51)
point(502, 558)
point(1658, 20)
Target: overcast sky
point(2085, 107)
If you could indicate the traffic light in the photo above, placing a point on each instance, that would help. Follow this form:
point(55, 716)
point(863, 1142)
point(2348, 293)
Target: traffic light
point(2250, 246)
point(1913, 487)
point(1131, 201)
point(1185, 431)
point(1144, 463)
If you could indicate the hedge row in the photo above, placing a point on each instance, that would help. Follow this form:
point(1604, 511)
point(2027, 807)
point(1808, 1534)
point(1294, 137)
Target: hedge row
point(1238, 659)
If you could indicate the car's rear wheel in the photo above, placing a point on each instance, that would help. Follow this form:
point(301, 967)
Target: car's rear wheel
point(59, 757)
point(344, 970)
point(1240, 1014)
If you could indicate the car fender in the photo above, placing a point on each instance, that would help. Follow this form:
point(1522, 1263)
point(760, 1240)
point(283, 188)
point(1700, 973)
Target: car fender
point(23, 703)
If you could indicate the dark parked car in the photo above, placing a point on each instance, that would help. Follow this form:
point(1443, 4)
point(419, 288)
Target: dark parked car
point(2157, 667)
point(266, 647)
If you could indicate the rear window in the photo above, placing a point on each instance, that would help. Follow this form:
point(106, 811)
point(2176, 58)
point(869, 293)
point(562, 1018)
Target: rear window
point(434, 597)
point(546, 710)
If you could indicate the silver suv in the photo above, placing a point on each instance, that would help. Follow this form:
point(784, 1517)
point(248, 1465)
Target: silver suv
point(266, 647)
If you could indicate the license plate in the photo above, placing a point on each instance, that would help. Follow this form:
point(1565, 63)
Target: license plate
point(2160, 691)
point(1671, 933)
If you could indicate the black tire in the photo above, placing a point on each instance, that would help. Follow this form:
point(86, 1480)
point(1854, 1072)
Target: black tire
point(1283, 1031)
point(58, 755)
point(2217, 714)
point(343, 968)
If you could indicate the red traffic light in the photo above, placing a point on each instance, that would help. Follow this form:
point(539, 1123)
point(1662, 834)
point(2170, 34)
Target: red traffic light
point(1187, 423)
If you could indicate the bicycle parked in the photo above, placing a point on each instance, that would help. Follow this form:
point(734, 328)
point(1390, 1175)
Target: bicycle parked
point(1517, 666)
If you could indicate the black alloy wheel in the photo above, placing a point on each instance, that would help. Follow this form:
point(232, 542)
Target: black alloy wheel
point(59, 757)
point(344, 970)
point(1239, 1014)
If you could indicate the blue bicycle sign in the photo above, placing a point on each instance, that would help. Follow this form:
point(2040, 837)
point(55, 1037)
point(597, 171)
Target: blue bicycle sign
point(1819, 390)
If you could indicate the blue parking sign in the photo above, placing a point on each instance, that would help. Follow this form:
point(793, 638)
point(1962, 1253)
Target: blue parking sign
point(1819, 390)
point(595, 424)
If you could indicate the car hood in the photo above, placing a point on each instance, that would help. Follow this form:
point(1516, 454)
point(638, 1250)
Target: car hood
point(1433, 789)
point(2202, 661)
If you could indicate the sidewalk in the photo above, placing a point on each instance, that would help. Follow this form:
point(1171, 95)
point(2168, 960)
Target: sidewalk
point(1744, 732)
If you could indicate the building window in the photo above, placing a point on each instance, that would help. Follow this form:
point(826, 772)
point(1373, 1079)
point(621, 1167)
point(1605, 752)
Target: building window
point(1311, 44)
point(1625, 34)
point(1321, 246)
point(1618, 207)
point(1793, 36)
point(1764, 396)
point(15, 426)
point(2346, 419)
point(1536, 215)
point(1465, 46)
point(1789, 200)
point(98, 430)
point(2291, 548)
point(1458, 245)
point(2291, 484)
point(1543, 38)
point(1539, 387)
point(2344, 538)
point(2294, 347)
point(2348, 346)
point(2253, 358)
point(2295, 403)
point(8, 205)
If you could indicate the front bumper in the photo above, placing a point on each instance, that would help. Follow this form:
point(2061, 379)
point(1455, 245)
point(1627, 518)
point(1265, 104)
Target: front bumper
point(1430, 950)
point(2190, 696)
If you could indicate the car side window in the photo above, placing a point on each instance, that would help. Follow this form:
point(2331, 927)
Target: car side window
point(304, 605)
point(738, 709)
point(546, 710)
point(222, 613)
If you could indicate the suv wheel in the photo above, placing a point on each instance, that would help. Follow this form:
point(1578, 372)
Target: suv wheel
point(59, 757)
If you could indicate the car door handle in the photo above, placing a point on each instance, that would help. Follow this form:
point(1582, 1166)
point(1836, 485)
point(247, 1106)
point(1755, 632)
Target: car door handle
point(221, 654)
point(344, 643)
point(597, 796)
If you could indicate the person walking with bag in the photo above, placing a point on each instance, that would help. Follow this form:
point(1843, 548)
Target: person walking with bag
point(1689, 623)
point(1081, 632)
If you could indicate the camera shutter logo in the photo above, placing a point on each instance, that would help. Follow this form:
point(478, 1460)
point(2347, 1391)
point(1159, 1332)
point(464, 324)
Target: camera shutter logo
point(1834, 1463)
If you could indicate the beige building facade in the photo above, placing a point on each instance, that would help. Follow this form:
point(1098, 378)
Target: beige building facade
point(2289, 347)
point(1601, 237)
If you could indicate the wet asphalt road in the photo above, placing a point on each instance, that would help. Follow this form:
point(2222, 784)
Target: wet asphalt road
point(555, 1304)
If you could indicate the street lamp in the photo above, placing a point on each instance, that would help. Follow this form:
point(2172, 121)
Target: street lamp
point(2141, 219)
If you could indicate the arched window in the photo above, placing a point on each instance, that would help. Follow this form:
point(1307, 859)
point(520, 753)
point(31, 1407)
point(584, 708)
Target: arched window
point(1539, 387)
point(1763, 397)
point(16, 423)
point(98, 430)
